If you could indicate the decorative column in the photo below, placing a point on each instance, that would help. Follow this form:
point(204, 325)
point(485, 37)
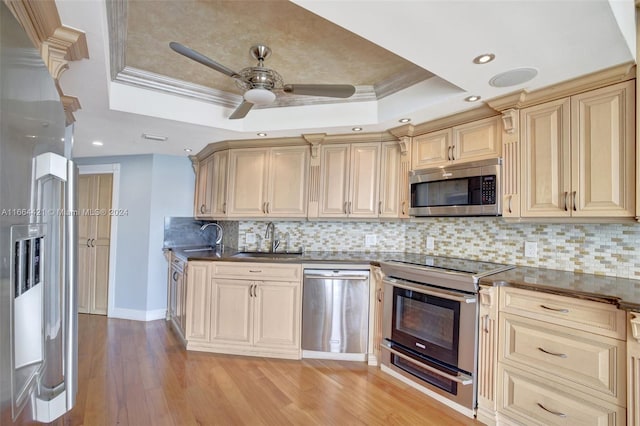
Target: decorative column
point(314, 139)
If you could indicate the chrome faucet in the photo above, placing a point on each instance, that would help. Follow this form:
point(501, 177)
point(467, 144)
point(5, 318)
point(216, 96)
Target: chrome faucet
point(274, 243)
point(218, 233)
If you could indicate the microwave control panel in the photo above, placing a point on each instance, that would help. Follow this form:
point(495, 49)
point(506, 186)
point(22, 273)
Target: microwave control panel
point(488, 189)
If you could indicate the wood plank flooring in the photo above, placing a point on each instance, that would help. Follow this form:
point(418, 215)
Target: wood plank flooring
point(136, 373)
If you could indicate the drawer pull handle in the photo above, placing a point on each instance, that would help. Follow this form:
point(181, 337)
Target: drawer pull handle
point(564, 311)
point(559, 355)
point(555, 413)
point(254, 271)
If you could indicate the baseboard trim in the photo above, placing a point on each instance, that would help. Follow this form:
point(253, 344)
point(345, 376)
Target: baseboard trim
point(136, 315)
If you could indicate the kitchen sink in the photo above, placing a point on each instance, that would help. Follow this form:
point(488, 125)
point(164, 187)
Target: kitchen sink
point(263, 254)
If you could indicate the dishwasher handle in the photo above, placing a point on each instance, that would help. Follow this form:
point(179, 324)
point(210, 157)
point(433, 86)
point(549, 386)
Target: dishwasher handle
point(336, 277)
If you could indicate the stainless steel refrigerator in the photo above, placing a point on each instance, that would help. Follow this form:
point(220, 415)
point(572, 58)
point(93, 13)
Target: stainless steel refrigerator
point(38, 315)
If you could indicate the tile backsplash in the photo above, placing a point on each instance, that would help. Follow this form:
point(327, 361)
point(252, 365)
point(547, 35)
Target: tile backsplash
point(602, 249)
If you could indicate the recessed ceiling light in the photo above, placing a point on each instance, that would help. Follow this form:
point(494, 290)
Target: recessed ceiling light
point(484, 58)
point(187, 150)
point(154, 137)
point(262, 135)
point(472, 98)
point(513, 77)
point(357, 129)
point(404, 120)
point(97, 143)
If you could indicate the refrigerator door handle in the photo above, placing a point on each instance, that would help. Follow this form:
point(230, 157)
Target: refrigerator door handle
point(71, 254)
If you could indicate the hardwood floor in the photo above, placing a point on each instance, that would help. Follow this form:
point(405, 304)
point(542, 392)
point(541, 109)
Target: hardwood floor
point(136, 373)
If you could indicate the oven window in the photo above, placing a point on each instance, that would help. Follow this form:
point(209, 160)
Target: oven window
point(427, 322)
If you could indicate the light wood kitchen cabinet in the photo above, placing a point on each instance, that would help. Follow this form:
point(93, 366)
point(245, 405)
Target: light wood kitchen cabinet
point(633, 368)
point(268, 182)
point(578, 155)
point(488, 355)
point(94, 242)
point(177, 292)
point(377, 276)
point(477, 140)
point(248, 309)
point(350, 179)
point(219, 184)
point(203, 200)
point(560, 360)
point(394, 181)
point(198, 309)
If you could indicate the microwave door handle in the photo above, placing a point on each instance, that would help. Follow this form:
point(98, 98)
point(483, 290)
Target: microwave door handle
point(462, 379)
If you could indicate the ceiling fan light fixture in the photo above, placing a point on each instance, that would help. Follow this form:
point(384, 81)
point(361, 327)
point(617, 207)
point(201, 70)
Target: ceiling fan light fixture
point(259, 96)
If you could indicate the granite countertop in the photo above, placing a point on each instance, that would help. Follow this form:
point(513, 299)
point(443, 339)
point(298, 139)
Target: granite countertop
point(624, 293)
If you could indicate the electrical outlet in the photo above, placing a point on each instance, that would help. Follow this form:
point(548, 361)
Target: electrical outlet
point(370, 240)
point(250, 238)
point(431, 242)
point(530, 249)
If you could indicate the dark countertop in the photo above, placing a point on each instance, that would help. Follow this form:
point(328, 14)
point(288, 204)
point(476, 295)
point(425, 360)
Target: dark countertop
point(625, 293)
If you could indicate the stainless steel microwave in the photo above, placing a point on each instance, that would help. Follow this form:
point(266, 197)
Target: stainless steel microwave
point(469, 189)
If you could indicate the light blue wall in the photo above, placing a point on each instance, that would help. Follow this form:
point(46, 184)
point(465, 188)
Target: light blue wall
point(173, 181)
point(151, 186)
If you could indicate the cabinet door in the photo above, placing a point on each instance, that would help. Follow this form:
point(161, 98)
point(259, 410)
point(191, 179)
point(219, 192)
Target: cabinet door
point(603, 152)
point(247, 195)
point(364, 180)
point(633, 368)
point(204, 181)
point(546, 163)
point(219, 184)
point(477, 140)
point(287, 192)
point(334, 176)
point(390, 181)
point(198, 302)
point(431, 149)
point(377, 277)
point(277, 315)
point(232, 316)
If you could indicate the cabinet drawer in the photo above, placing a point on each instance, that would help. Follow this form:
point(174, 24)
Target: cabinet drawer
point(257, 271)
point(525, 399)
point(567, 355)
point(595, 317)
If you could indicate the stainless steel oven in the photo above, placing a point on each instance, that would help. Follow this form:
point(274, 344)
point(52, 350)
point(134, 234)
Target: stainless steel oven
point(430, 324)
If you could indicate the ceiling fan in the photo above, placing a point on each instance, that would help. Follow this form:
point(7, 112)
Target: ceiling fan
point(259, 82)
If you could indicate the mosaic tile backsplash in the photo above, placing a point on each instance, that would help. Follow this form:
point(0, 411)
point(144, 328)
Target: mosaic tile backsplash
point(602, 249)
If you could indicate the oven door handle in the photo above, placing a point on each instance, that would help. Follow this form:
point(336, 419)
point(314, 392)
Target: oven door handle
point(463, 379)
point(436, 293)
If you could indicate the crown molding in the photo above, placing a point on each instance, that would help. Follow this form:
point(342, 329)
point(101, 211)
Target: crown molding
point(524, 98)
point(58, 44)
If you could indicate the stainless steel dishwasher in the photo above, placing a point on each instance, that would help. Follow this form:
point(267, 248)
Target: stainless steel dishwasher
point(335, 311)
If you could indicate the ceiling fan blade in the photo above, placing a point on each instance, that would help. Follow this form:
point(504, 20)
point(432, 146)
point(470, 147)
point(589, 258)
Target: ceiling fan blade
point(199, 57)
point(241, 111)
point(329, 90)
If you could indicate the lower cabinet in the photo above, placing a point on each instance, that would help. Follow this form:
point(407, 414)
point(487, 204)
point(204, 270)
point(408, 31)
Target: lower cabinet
point(633, 368)
point(245, 309)
point(177, 295)
point(561, 360)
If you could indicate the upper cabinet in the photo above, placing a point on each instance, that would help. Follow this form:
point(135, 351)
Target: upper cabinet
point(268, 182)
point(211, 187)
point(204, 188)
point(477, 140)
point(349, 180)
point(578, 155)
point(394, 181)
